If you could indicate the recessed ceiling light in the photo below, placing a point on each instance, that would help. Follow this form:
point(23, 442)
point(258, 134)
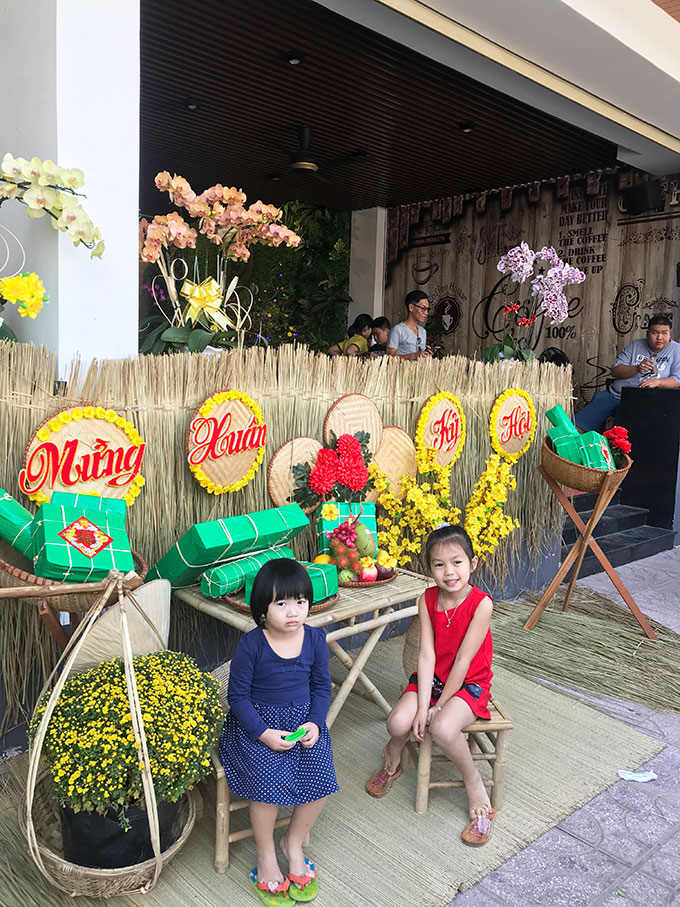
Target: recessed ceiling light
point(192, 104)
point(275, 177)
point(467, 126)
point(294, 57)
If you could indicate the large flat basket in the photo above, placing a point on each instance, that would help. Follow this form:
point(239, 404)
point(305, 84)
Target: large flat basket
point(581, 478)
point(15, 571)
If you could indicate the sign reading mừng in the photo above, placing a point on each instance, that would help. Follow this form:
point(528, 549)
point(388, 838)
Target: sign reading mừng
point(84, 450)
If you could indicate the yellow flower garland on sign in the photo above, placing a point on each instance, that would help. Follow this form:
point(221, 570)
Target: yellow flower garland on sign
point(493, 432)
point(426, 456)
point(405, 523)
point(205, 410)
point(485, 522)
point(57, 422)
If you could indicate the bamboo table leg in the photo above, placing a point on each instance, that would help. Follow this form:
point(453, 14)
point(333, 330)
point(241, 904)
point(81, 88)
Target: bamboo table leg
point(368, 685)
point(599, 554)
point(353, 675)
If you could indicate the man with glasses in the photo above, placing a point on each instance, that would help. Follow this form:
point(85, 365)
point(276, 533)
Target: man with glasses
point(408, 339)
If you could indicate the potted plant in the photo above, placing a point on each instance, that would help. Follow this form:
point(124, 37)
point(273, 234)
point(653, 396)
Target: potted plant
point(95, 765)
point(547, 298)
point(206, 310)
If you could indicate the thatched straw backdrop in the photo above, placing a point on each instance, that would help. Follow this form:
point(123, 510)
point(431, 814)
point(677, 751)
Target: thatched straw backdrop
point(295, 389)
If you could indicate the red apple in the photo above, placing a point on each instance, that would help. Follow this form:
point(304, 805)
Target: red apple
point(368, 574)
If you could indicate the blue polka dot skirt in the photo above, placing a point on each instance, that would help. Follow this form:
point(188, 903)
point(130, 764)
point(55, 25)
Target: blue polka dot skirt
point(298, 775)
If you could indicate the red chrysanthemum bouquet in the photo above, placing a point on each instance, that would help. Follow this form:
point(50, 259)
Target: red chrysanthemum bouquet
point(619, 444)
point(339, 472)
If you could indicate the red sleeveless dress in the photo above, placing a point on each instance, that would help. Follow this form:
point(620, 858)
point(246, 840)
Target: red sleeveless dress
point(447, 641)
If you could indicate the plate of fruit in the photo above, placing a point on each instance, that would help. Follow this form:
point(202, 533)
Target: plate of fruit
point(353, 550)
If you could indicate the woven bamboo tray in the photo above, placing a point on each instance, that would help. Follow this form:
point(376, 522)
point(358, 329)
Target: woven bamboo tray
point(240, 605)
point(82, 880)
point(572, 475)
point(15, 571)
point(379, 582)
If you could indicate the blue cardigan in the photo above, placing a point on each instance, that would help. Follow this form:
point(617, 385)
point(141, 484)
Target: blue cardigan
point(259, 675)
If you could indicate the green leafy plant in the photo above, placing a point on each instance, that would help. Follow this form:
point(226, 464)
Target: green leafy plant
point(90, 746)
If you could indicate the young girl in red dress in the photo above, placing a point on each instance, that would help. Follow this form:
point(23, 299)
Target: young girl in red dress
point(452, 685)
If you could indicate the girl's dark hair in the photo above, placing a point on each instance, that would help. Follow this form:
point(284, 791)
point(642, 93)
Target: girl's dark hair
point(359, 323)
point(276, 580)
point(381, 323)
point(446, 535)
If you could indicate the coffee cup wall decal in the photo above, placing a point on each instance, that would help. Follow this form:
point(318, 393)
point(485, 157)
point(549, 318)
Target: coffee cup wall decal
point(423, 270)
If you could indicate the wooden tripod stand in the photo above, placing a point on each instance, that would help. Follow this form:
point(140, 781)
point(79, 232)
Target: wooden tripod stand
point(575, 556)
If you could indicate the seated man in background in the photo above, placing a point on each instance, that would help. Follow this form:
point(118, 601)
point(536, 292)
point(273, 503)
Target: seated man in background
point(408, 339)
point(652, 362)
point(380, 331)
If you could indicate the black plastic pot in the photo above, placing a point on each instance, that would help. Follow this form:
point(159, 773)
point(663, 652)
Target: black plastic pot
point(99, 841)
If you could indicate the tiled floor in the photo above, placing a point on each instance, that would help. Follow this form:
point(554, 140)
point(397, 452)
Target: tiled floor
point(622, 849)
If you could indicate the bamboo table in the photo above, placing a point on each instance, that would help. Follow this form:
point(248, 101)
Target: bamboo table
point(585, 540)
point(382, 602)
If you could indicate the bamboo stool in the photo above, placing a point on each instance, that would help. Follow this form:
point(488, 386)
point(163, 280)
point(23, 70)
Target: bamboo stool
point(488, 742)
point(225, 802)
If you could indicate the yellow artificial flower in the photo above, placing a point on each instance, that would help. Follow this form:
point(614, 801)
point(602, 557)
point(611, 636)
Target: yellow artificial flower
point(330, 511)
point(54, 425)
point(42, 434)
point(89, 412)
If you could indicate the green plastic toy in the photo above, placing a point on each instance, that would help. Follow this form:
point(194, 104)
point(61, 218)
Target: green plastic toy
point(296, 735)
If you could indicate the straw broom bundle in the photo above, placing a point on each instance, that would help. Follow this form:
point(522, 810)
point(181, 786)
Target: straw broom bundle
point(595, 645)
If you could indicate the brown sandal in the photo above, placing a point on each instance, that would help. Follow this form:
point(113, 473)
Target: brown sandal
point(478, 831)
point(379, 784)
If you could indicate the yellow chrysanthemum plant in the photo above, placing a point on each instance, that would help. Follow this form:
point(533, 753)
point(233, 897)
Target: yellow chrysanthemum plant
point(512, 426)
point(90, 746)
point(425, 500)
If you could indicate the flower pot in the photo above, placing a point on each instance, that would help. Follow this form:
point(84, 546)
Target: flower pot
point(99, 841)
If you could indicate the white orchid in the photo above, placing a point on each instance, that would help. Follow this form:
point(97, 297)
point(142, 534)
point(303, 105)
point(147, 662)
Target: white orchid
point(46, 188)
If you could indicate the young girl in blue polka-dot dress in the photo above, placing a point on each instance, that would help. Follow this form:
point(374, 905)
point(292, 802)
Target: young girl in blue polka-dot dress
point(280, 682)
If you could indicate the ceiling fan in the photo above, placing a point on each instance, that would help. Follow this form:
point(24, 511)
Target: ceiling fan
point(304, 161)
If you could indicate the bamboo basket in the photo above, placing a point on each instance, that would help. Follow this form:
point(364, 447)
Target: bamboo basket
point(573, 475)
point(82, 880)
point(13, 573)
point(240, 605)
point(355, 584)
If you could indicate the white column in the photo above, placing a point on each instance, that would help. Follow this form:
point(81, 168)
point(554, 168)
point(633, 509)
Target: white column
point(83, 112)
point(367, 262)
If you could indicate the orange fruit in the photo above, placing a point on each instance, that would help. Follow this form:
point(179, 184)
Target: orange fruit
point(322, 559)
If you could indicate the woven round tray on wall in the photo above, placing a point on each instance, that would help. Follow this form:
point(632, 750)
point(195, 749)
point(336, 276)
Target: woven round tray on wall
point(16, 573)
point(280, 481)
point(227, 470)
point(353, 413)
point(396, 457)
point(573, 475)
point(430, 439)
point(409, 657)
point(241, 606)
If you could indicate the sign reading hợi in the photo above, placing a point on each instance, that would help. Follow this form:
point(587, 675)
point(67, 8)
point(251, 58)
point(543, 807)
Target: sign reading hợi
point(512, 423)
point(225, 441)
point(87, 450)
